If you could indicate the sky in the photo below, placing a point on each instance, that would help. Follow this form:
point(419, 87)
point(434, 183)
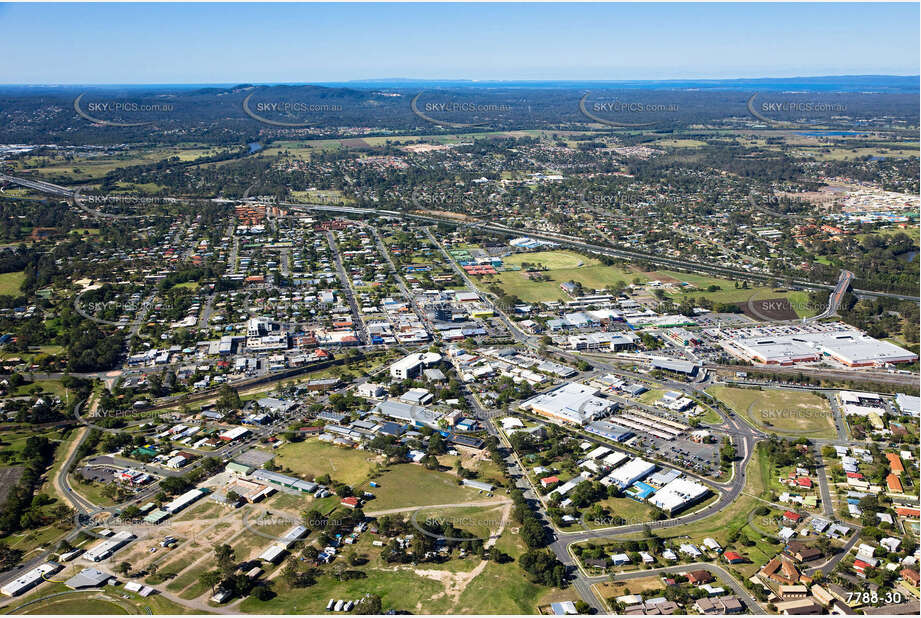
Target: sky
point(265, 43)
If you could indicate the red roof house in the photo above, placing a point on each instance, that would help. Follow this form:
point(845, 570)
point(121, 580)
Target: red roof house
point(732, 557)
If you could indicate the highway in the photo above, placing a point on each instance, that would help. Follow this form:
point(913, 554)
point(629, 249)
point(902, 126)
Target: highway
point(834, 299)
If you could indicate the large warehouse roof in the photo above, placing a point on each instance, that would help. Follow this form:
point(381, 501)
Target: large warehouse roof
point(572, 402)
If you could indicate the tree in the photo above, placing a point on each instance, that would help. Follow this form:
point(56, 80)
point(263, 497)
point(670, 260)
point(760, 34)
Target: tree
point(210, 579)
point(437, 445)
point(124, 568)
point(533, 533)
point(228, 399)
point(225, 558)
point(368, 605)
point(290, 572)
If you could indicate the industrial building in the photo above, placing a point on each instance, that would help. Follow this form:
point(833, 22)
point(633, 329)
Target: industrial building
point(30, 579)
point(283, 480)
point(88, 578)
point(275, 551)
point(109, 546)
point(293, 534)
point(571, 403)
point(183, 501)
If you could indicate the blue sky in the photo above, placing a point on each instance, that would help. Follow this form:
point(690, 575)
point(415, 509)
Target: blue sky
point(235, 43)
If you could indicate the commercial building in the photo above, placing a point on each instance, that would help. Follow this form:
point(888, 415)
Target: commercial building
point(30, 579)
point(629, 473)
point(609, 430)
point(572, 403)
point(861, 404)
point(609, 342)
point(908, 404)
point(416, 416)
point(233, 434)
point(410, 366)
point(678, 495)
point(787, 345)
point(677, 366)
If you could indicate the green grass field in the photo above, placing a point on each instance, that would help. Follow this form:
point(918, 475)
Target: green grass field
point(631, 510)
point(313, 458)
point(408, 485)
point(563, 266)
point(553, 260)
point(458, 586)
point(11, 282)
point(86, 604)
point(114, 601)
point(97, 167)
point(775, 411)
point(570, 266)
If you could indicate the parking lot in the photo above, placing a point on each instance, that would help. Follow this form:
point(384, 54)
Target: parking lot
point(694, 456)
point(98, 474)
